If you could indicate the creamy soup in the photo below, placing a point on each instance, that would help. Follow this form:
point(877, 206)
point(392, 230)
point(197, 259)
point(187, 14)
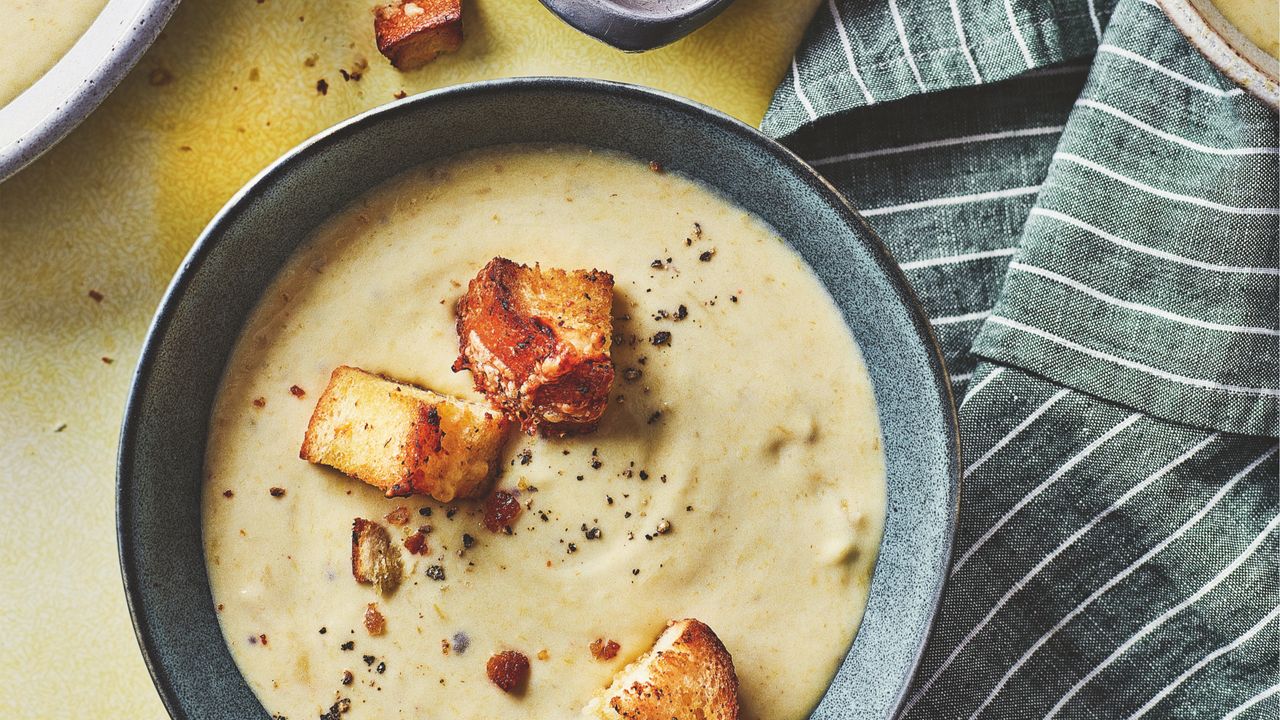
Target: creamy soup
point(35, 34)
point(1258, 20)
point(751, 438)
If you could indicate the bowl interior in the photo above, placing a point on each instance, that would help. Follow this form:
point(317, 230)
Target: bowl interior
point(162, 444)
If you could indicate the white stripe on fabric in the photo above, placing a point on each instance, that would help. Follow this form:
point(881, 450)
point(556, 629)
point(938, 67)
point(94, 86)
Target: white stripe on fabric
point(804, 100)
point(1102, 515)
point(961, 378)
point(1117, 579)
point(906, 46)
point(1118, 113)
point(1137, 307)
point(1017, 430)
point(1154, 252)
point(1248, 634)
point(1055, 477)
point(1163, 374)
point(848, 52)
point(1191, 199)
point(1062, 547)
point(1017, 34)
point(1135, 57)
point(1251, 702)
point(967, 317)
point(1093, 17)
point(964, 42)
point(978, 388)
point(953, 259)
point(944, 142)
point(1164, 617)
point(953, 200)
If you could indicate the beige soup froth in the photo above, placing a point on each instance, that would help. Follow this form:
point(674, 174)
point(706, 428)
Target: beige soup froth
point(751, 437)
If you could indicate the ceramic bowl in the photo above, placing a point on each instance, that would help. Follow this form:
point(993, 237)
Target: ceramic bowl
point(166, 421)
point(43, 114)
point(1226, 47)
point(636, 25)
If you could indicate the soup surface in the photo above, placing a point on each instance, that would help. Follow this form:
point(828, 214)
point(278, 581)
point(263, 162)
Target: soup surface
point(753, 434)
point(34, 35)
point(1258, 20)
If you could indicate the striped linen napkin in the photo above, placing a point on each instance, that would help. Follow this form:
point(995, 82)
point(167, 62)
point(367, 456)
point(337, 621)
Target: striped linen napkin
point(1088, 212)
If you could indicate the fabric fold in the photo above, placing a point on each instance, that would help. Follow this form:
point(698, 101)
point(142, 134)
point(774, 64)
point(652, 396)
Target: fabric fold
point(864, 53)
point(1147, 273)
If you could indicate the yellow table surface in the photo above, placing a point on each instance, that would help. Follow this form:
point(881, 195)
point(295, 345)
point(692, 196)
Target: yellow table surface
point(229, 86)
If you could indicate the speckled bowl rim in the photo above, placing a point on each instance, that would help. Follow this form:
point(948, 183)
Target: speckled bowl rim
point(207, 240)
point(1246, 64)
point(74, 87)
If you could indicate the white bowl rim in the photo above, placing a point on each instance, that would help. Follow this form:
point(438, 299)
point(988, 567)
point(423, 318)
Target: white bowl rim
point(65, 95)
point(1226, 47)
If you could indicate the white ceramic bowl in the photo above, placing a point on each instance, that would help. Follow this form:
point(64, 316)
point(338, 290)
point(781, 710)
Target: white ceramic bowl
point(1226, 47)
point(43, 114)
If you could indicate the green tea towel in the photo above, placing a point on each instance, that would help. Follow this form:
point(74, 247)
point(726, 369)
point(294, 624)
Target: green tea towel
point(1088, 212)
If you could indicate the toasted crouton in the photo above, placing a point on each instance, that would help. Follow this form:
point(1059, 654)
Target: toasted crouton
point(374, 560)
point(686, 674)
point(537, 343)
point(403, 439)
point(411, 33)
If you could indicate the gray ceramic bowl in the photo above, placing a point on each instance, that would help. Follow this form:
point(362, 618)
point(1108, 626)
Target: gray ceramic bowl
point(163, 439)
point(43, 114)
point(637, 25)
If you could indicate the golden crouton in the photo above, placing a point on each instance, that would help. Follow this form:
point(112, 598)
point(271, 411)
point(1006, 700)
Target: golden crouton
point(374, 560)
point(686, 674)
point(403, 439)
point(411, 33)
point(537, 343)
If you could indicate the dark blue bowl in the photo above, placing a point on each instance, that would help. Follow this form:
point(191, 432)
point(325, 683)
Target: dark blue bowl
point(166, 422)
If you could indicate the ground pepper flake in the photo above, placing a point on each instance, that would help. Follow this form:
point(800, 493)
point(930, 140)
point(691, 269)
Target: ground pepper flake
point(228, 494)
point(277, 492)
point(706, 255)
point(660, 338)
point(322, 86)
point(436, 572)
point(297, 392)
point(96, 296)
point(656, 166)
point(259, 402)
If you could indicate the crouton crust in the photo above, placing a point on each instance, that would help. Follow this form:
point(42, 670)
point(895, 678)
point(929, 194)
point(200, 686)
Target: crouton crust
point(411, 33)
point(374, 560)
point(687, 673)
point(537, 343)
point(403, 439)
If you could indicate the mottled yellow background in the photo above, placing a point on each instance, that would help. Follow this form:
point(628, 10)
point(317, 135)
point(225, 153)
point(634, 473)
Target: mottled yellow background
point(229, 86)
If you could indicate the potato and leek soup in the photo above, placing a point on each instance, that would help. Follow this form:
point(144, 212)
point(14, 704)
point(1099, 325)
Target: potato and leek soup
point(34, 35)
point(736, 476)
